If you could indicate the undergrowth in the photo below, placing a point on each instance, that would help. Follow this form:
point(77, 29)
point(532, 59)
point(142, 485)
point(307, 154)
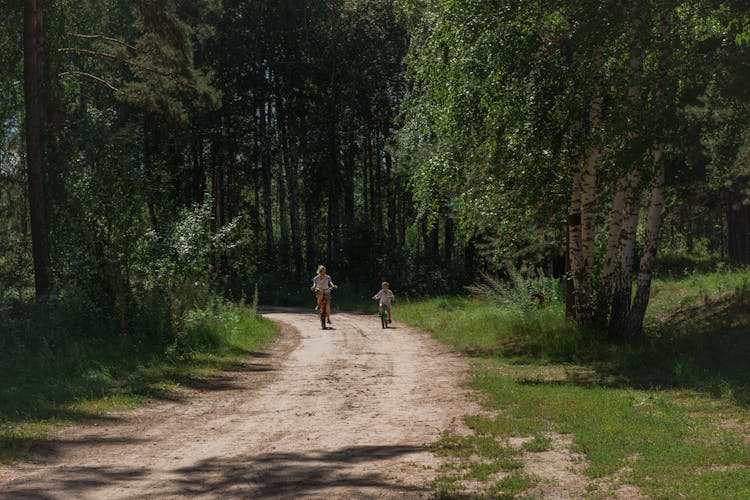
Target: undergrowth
point(666, 414)
point(63, 362)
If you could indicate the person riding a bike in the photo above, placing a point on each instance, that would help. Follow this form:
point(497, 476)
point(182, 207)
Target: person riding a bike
point(385, 297)
point(322, 286)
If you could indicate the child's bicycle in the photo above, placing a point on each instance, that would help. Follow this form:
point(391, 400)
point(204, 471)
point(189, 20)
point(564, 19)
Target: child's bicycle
point(383, 318)
point(324, 301)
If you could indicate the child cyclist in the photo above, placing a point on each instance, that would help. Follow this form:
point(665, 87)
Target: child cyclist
point(322, 286)
point(385, 297)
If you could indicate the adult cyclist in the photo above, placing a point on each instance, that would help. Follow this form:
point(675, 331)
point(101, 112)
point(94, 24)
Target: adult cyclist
point(322, 285)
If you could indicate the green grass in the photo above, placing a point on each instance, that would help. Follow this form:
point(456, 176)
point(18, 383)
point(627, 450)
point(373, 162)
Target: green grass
point(667, 415)
point(44, 389)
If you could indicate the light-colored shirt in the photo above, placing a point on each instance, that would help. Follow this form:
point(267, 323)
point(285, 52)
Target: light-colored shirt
point(323, 284)
point(385, 297)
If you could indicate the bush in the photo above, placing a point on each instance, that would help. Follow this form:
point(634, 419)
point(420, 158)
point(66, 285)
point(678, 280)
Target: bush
point(532, 290)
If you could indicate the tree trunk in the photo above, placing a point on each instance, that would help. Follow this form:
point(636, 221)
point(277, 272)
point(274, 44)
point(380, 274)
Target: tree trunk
point(371, 182)
point(33, 64)
point(215, 190)
point(623, 282)
point(406, 203)
point(390, 199)
point(449, 241)
point(222, 189)
point(23, 193)
point(349, 171)
point(365, 152)
point(616, 220)
point(623, 276)
point(199, 173)
point(574, 249)
point(229, 165)
point(148, 174)
point(738, 229)
point(570, 300)
point(575, 253)
point(290, 160)
point(267, 176)
point(312, 211)
point(378, 188)
point(656, 202)
point(334, 181)
point(283, 218)
point(432, 242)
point(584, 298)
point(651, 244)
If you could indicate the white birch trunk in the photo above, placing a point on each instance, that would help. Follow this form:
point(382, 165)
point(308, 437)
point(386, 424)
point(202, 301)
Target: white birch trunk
point(656, 202)
point(616, 218)
point(573, 243)
point(650, 247)
point(588, 202)
point(575, 255)
point(623, 274)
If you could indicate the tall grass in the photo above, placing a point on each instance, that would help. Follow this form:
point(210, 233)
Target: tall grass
point(522, 317)
point(64, 362)
point(480, 328)
point(666, 414)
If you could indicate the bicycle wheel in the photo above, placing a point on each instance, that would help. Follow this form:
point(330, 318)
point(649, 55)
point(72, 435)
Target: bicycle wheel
point(384, 319)
point(323, 318)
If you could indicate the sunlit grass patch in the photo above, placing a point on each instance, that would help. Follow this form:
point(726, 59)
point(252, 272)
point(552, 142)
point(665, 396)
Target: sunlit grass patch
point(512, 485)
point(657, 442)
point(537, 444)
point(475, 462)
point(665, 417)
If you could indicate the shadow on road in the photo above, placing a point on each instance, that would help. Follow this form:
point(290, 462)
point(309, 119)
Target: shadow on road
point(269, 475)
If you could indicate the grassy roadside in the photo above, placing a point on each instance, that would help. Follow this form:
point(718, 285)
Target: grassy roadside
point(668, 416)
point(45, 388)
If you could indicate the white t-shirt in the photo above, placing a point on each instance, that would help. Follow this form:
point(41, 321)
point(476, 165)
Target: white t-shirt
point(385, 297)
point(322, 284)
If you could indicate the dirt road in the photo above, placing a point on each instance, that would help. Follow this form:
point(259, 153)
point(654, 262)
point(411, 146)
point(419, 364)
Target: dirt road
point(345, 413)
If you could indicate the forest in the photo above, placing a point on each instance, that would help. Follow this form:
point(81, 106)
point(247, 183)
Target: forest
point(558, 193)
point(157, 155)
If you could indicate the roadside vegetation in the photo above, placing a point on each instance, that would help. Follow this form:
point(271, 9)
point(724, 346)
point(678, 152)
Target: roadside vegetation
point(61, 364)
point(153, 155)
point(666, 415)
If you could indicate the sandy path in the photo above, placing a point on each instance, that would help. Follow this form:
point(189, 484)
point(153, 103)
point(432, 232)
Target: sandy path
point(344, 413)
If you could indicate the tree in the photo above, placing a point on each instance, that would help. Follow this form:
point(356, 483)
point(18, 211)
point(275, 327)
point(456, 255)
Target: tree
point(33, 79)
point(524, 113)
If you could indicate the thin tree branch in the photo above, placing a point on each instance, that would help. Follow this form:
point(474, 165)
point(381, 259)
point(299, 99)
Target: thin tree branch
point(106, 39)
point(89, 75)
point(116, 58)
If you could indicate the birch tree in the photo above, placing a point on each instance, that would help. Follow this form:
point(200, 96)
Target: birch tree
point(567, 98)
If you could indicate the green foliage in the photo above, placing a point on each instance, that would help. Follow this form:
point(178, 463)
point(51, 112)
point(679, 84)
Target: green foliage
point(65, 361)
point(180, 259)
point(168, 83)
point(532, 289)
point(485, 122)
point(499, 330)
point(537, 444)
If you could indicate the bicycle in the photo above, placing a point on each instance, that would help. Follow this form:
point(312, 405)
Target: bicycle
point(325, 304)
point(385, 297)
point(383, 318)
